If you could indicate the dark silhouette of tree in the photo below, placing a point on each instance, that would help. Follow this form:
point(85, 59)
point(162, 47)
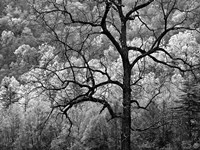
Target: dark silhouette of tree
point(81, 31)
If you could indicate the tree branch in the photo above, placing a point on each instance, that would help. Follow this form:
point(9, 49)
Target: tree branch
point(137, 8)
point(82, 99)
point(105, 30)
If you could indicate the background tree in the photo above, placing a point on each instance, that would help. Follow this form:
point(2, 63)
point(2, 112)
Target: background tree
point(187, 111)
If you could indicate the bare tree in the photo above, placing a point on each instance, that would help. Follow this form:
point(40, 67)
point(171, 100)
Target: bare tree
point(76, 25)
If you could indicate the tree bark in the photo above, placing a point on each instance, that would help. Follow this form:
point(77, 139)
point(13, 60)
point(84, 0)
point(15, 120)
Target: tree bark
point(126, 116)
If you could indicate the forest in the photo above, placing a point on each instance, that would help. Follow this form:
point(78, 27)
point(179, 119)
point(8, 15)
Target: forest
point(99, 74)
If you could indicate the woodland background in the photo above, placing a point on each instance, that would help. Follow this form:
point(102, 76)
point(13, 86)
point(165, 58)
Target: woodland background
point(62, 69)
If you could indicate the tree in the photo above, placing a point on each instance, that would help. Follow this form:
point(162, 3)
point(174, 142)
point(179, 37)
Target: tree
point(9, 91)
point(102, 46)
point(187, 110)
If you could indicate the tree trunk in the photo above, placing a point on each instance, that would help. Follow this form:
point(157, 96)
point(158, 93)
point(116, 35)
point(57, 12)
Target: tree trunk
point(126, 116)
